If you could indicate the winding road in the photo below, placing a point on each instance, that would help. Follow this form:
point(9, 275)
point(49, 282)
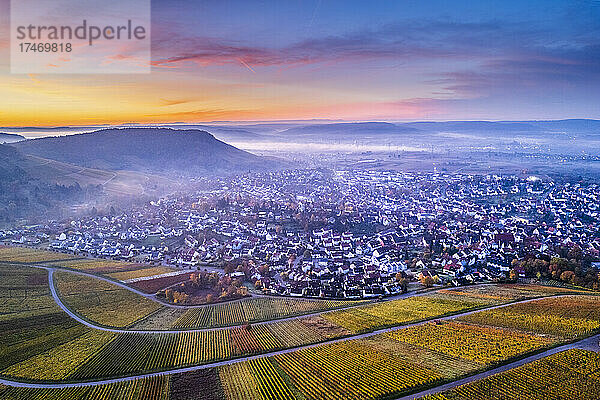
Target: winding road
point(153, 297)
point(590, 343)
point(91, 324)
point(290, 350)
point(585, 342)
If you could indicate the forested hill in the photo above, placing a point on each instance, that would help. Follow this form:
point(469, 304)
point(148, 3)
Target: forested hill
point(157, 150)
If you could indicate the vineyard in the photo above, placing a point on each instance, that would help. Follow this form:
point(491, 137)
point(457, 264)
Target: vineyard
point(496, 294)
point(571, 374)
point(253, 310)
point(25, 255)
point(117, 270)
point(257, 379)
point(32, 325)
point(238, 382)
point(60, 361)
point(151, 286)
point(102, 302)
point(38, 341)
point(197, 385)
point(97, 266)
point(446, 365)
point(382, 366)
point(140, 273)
point(351, 370)
point(398, 312)
point(162, 319)
point(483, 345)
point(41, 342)
point(150, 388)
point(134, 353)
point(131, 353)
point(566, 316)
point(24, 291)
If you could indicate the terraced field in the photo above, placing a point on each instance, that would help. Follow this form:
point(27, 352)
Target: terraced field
point(253, 310)
point(37, 339)
point(102, 302)
point(572, 374)
point(397, 312)
point(141, 273)
point(151, 389)
point(482, 345)
point(100, 267)
point(39, 342)
point(26, 255)
point(566, 316)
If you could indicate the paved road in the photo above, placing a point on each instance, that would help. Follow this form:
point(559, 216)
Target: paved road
point(90, 324)
point(238, 360)
point(155, 298)
point(590, 343)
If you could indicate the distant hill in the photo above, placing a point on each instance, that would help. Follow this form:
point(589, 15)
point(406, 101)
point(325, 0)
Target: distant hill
point(475, 126)
point(349, 128)
point(366, 129)
point(567, 125)
point(157, 150)
point(570, 125)
point(10, 137)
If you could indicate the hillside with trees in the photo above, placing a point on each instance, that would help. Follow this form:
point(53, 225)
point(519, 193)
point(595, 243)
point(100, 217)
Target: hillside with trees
point(157, 150)
point(22, 195)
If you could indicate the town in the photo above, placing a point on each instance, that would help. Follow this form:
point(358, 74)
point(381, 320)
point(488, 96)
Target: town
point(351, 234)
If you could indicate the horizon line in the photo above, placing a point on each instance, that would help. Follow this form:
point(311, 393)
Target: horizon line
point(291, 121)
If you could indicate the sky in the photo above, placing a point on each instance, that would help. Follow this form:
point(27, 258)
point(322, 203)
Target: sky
point(225, 60)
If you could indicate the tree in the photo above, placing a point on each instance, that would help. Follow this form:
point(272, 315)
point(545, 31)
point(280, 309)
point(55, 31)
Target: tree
point(567, 276)
point(558, 263)
point(403, 283)
point(427, 281)
point(180, 297)
point(230, 291)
